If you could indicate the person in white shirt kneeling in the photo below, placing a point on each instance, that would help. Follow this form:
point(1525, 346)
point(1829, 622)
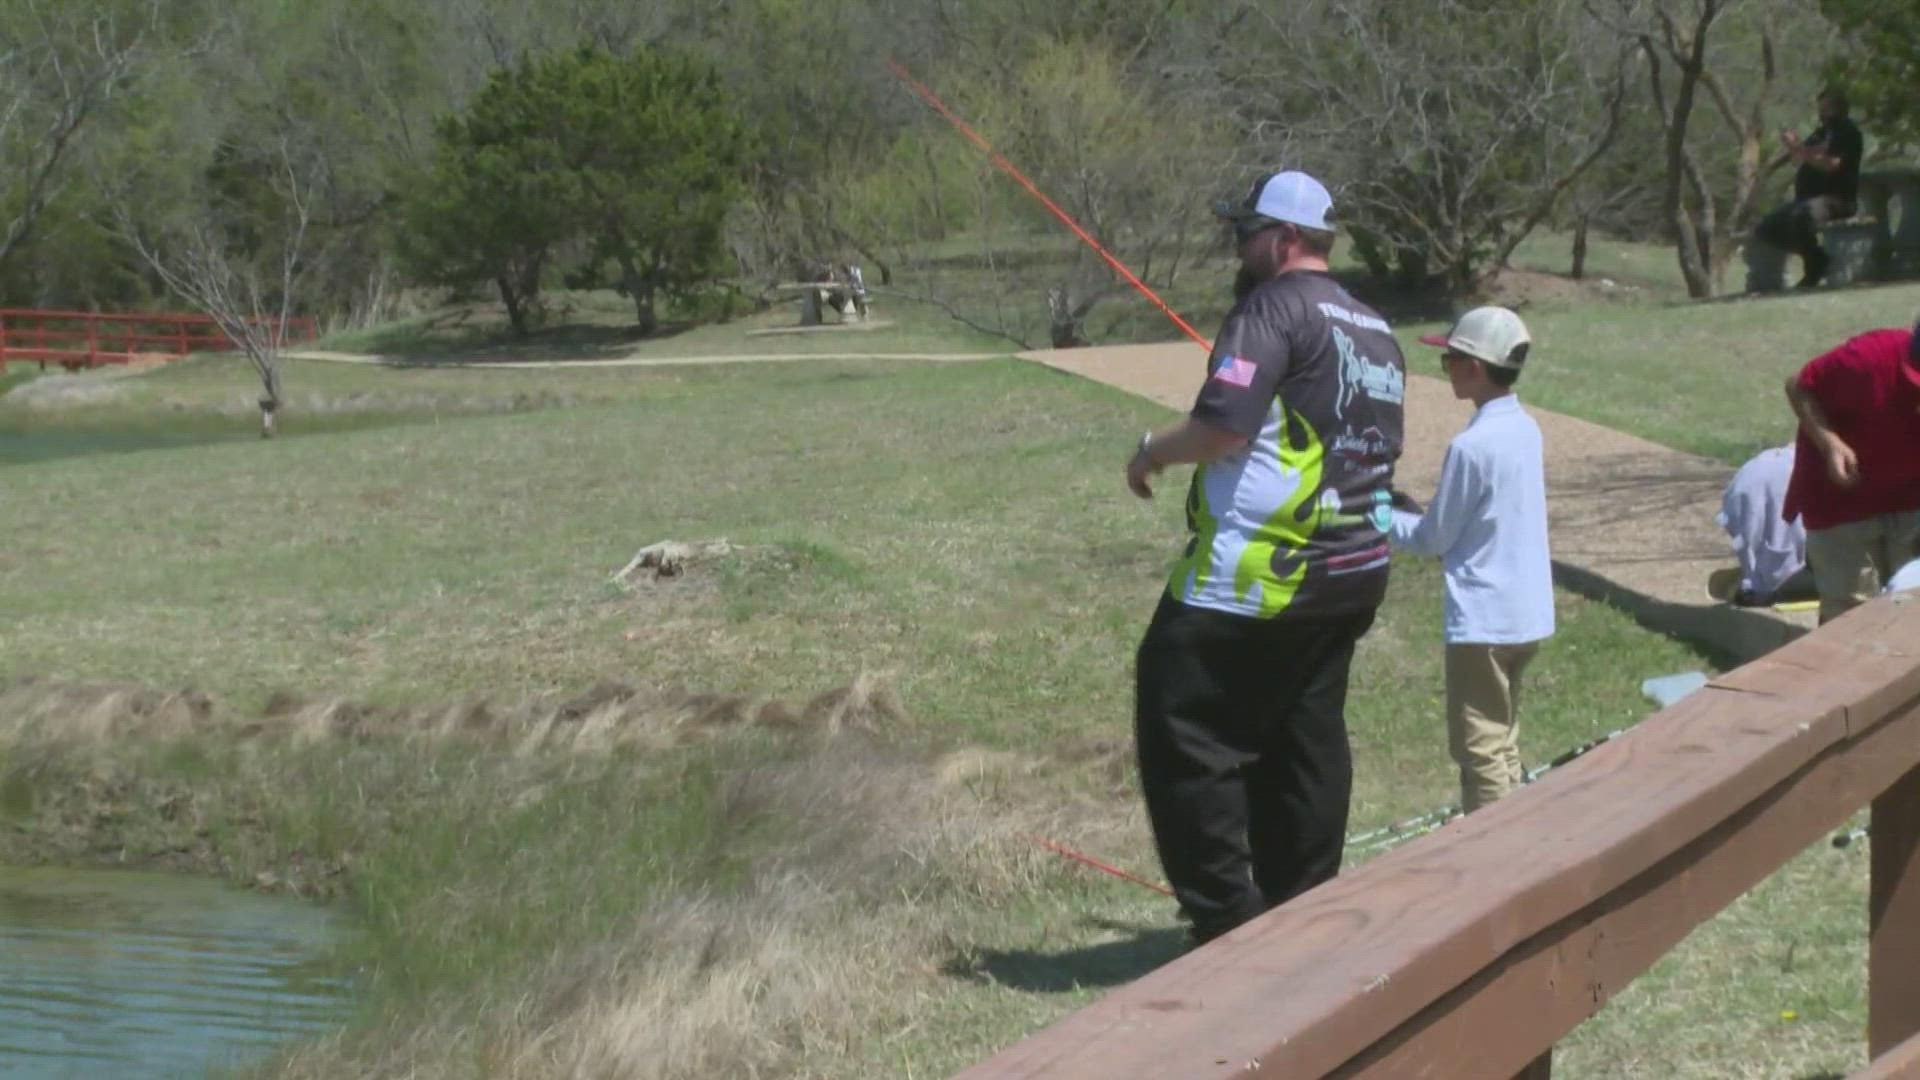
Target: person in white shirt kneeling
point(1487, 523)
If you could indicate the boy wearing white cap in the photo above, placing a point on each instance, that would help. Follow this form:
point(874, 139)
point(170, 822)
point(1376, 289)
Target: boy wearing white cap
point(1488, 525)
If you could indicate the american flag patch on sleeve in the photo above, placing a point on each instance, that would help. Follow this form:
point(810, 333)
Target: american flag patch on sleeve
point(1234, 371)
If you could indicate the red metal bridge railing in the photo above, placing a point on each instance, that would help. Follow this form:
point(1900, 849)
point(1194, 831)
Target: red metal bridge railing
point(86, 339)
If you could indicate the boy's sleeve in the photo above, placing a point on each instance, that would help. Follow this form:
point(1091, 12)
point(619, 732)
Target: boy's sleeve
point(1434, 532)
point(1250, 356)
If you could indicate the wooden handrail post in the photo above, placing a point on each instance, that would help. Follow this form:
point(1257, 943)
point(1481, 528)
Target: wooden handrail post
point(1893, 954)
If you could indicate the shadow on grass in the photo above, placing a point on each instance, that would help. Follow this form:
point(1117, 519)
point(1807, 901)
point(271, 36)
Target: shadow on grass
point(1798, 293)
point(1723, 636)
point(30, 439)
point(1110, 963)
point(567, 342)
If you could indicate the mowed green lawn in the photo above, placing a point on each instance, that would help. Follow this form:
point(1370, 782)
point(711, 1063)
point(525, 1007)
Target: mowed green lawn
point(1706, 378)
point(958, 531)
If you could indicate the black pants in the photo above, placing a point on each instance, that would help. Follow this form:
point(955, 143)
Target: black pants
point(1795, 227)
point(1240, 724)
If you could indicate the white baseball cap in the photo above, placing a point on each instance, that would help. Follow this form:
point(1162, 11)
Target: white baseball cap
point(1291, 196)
point(1491, 334)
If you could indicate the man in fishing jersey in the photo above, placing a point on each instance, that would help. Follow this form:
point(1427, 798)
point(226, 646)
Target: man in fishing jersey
point(1241, 680)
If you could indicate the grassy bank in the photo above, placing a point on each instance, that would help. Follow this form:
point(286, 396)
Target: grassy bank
point(768, 815)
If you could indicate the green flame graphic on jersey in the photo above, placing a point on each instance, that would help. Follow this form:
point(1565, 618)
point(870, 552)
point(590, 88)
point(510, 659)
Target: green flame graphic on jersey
point(1288, 530)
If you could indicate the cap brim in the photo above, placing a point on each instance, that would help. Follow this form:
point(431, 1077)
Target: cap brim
point(1438, 341)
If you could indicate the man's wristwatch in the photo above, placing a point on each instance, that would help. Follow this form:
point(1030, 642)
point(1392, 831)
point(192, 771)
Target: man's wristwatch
point(1145, 449)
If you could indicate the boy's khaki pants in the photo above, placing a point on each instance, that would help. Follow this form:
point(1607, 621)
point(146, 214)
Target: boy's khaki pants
point(1483, 718)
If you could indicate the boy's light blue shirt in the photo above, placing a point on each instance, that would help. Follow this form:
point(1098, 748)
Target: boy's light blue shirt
point(1488, 525)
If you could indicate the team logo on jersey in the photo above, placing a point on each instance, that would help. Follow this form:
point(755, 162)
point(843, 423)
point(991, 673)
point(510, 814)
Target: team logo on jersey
point(1361, 375)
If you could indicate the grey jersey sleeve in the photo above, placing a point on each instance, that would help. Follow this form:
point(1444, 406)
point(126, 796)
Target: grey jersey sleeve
point(1250, 356)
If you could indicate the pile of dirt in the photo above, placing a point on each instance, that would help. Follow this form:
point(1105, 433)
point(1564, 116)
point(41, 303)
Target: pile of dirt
point(1519, 289)
point(670, 559)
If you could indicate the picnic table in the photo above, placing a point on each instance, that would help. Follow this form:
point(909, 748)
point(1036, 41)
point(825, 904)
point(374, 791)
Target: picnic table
point(1869, 246)
point(847, 297)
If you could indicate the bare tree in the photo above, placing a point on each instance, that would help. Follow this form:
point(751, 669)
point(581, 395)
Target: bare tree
point(61, 64)
point(1131, 163)
point(249, 294)
point(1452, 131)
point(1675, 37)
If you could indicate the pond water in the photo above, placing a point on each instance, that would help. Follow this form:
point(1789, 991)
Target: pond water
point(133, 974)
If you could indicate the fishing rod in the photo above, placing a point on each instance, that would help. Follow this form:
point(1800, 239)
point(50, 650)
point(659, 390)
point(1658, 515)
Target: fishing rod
point(1385, 836)
point(1402, 831)
point(926, 94)
point(1105, 868)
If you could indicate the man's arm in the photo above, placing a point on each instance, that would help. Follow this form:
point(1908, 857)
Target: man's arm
point(1189, 442)
point(1244, 371)
point(1842, 465)
point(1831, 153)
point(1819, 159)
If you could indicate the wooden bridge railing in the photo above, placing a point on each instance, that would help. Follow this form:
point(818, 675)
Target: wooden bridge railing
point(1470, 952)
point(76, 339)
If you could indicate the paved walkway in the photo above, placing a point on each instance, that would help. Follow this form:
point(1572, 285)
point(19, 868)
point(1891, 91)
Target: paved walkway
point(1631, 521)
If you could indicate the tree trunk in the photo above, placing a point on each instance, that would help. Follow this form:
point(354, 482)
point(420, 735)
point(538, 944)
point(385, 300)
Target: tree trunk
point(1578, 271)
point(640, 291)
point(1064, 320)
point(1689, 55)
point(939, 210)
point(1686, 230)
point(267, 363)
point(516, 308)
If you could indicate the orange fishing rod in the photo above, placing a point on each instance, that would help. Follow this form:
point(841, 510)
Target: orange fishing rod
point(1020, 178)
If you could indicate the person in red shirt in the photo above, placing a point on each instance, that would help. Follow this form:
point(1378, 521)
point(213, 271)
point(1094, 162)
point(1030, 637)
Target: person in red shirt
point(1856, 469)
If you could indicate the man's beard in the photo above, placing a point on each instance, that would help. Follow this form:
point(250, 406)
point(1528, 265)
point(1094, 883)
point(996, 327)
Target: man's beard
point(1244, 282)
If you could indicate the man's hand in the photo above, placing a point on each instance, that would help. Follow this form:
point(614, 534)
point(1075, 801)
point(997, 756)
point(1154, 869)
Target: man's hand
point(1190, 442)
point(1142, 468)
point(1843, 467)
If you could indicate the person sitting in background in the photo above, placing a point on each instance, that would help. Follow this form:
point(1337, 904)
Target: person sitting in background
point(1826, 187)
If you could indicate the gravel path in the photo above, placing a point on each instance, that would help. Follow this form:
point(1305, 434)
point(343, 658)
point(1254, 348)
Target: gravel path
point(1631, 521)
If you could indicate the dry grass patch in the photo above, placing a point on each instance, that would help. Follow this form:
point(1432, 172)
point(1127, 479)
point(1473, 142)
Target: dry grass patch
point(608, 715)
